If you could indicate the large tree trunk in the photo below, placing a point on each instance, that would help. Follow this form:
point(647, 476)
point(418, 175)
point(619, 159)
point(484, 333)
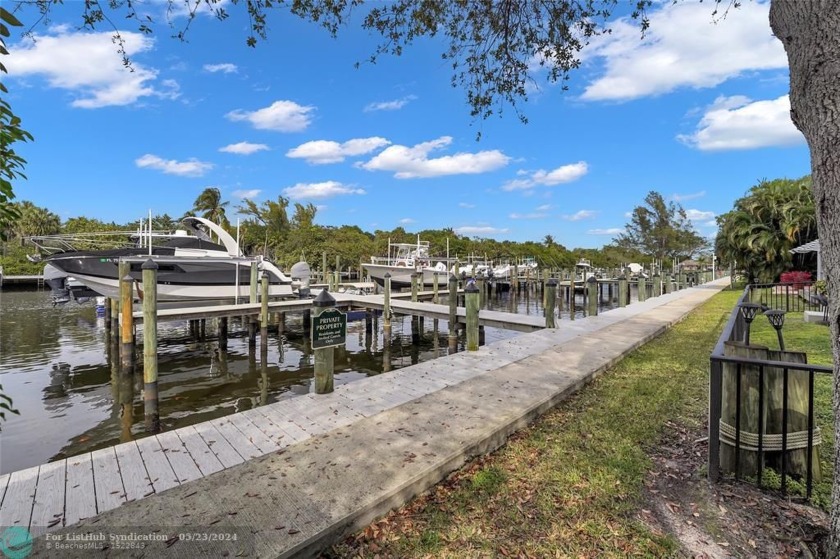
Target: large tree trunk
point(810, 32)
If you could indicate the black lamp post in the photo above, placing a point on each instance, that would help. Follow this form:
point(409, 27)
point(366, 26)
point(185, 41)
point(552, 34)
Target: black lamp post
point(748, 311)
point(777, 321)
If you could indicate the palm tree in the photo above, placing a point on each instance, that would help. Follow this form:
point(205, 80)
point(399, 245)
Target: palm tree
point(209, 205)
point(34, 220)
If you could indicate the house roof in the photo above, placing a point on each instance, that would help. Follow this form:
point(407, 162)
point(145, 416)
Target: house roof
point(813, 246)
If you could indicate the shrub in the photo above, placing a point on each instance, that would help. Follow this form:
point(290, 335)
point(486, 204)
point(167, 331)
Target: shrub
point(797, 278)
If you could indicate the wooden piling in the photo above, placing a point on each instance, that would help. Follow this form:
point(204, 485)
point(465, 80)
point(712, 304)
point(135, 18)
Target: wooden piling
point(415, 280)
point(324, 278)
point(223, 333)
point(657, 285)
point(264, 313)
point(150, 357)
point(386, 305)
point(622, 291)
point(324, 360)
point(550, 296)
point(572, 304)
point(592, 299)
point(126, 325)
point(252, 323)
point(471, 297)
point(453, 313)
point(435, 296)
point(641, 287)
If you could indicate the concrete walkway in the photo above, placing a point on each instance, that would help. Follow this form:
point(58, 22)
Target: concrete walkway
point(421, 423)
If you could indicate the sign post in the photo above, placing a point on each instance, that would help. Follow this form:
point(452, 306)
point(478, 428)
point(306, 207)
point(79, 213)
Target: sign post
point(329, 329)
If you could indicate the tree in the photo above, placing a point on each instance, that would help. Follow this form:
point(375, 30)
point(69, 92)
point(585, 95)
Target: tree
point(209, 205)
point(660, 229)
point(762, 228)
point(270, 222)
point(808, 31)
point(492, 45)
point(33, 220)
point(11, 132)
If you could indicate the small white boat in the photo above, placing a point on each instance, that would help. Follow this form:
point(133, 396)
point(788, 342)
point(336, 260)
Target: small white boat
point(403, 261)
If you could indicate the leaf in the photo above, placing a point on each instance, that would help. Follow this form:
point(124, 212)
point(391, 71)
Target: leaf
point(6, 16)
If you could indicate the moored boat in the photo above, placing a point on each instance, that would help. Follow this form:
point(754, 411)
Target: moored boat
point(403, 261)
point(191, 266)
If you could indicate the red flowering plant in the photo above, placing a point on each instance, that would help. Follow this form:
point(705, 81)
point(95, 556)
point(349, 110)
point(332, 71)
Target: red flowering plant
point(795, 277)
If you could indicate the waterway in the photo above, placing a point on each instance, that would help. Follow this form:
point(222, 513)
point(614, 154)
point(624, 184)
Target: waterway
point(58, 366)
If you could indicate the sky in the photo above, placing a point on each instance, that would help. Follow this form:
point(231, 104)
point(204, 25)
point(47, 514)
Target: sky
point(696, 110)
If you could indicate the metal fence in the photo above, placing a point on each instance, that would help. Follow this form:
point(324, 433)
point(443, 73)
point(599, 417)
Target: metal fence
point(736, 378)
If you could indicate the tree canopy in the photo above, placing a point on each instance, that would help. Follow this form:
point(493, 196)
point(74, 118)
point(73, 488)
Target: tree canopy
point(763, 226)
point(660, 229)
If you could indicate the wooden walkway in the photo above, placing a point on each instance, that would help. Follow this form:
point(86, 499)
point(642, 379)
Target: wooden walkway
point(495, 319)
point(51, 496)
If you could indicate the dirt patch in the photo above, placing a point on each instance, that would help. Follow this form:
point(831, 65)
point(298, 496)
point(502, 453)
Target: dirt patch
point(724, 519)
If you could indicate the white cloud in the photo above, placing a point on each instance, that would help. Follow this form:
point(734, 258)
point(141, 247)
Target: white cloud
point(544, 208)
point(692, 196)
point(244, 148)
point(246, 194)
point(190, 168)
point(610, 231)
point(712, 223)
point(465, 205)
point(407, 220)
point(319, 152)
point(89, 65)
point(534, 215)
point(563, 174)
point(413, 162)
point(582, 214)
point(226, 67)
point(390, 105)
point(325, 189)
point(281, 116)
point(479, 230)
point(737, 123)
point(697, 215)
point(683, 47)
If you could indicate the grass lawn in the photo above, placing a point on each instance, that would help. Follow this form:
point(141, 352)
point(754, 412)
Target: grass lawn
point(571, 484)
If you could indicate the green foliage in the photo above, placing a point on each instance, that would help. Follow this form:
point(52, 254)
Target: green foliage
point(11, 132)
point(759, 232)
point(660, 229)
point(209, 205)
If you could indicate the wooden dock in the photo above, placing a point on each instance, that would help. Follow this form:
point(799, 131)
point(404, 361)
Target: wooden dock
point(494, 319)
point(52, 496)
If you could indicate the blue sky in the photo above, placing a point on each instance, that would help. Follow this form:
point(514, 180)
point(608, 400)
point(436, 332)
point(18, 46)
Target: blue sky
point(697, 111)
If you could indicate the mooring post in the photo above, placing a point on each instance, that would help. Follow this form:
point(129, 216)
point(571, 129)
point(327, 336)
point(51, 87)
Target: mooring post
point(337, 272)
point(223, 333)
point(435, 297)
point(471, 297)
point(453, 313)
point(386, 306)
point(108, 315)
point(641, 286)
point(126, 325)
point(415, 280)
point(550, 298)
point(572, 302)
point(481, 283)
point(657, 285)
point(324, 362)
point(264, 313)
point(592, 299)
point(150, 357)
point(252, 298)
point(622, 291)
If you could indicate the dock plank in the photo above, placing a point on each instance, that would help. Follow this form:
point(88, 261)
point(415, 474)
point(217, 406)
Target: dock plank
point(286, 425)
point(222, 449)
point(204, 458)
point(236, 438)
point(80, 496)
point(260, 439)
point(179, 457)
point(17, 504)
point(135, 478)
point(273, 431)
point(161, 474)
point(48, 508)
point(110, 492)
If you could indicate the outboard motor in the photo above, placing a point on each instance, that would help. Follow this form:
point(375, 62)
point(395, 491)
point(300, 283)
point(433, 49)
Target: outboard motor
point(301, 273)
point(57, 280)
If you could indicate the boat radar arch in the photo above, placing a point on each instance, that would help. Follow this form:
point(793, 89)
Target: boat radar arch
point(224, 237)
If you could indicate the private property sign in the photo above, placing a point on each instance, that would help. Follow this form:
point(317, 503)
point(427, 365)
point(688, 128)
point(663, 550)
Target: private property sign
point(329, 329)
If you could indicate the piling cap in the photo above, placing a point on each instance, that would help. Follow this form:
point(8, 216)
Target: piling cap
point(471, 288)
point(324, 299)
point(592, 279)
point(387, 275)
point(551, 283)
point(149, 265)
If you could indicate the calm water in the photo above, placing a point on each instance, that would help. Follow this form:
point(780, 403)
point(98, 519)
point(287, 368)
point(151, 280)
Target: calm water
point(55, 362)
